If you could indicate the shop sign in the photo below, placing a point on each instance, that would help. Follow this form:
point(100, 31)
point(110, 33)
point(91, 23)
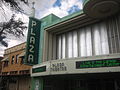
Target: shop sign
point(32, 46)
point(98, 63)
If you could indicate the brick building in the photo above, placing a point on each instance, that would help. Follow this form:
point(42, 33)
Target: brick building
point(0, 71)
point(0, 64)
point(15, 75)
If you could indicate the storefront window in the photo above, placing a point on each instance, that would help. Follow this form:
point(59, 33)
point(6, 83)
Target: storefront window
point(17, 58)
point(6, 63)
point(12, 59)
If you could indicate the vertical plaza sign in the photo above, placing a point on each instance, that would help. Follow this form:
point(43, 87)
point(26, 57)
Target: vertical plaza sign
point(32, 47)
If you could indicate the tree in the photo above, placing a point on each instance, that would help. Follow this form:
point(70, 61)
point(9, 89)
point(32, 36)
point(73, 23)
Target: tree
point(14, 27)
point(14, 4)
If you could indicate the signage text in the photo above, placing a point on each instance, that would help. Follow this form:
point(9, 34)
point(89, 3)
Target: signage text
point(58, 67)
point(98, 63)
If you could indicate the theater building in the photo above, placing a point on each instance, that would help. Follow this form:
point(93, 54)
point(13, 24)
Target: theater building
point(77, 52)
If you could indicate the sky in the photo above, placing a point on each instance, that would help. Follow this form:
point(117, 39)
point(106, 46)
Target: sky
point(43, 8)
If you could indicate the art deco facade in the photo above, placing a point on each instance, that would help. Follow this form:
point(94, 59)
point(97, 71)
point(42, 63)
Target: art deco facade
point(78, 52)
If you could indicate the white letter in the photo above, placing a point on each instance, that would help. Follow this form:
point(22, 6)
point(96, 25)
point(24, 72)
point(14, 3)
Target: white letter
point(34, 23)
point(32, 33)
point(30, 57)
point(31, 49)
point(32, 40)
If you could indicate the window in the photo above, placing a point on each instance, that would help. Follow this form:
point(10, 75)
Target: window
point(100, 38)
point(6, 63)
point(17, 58)
point(22, 60)
point(12, 59)
point(88, 41)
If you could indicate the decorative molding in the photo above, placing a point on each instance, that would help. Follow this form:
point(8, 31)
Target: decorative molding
point(101, 8)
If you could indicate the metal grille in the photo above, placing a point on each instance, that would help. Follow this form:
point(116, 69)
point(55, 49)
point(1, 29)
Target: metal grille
point(97, 39)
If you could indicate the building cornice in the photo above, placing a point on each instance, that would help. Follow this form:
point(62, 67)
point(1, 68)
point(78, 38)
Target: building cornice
point(101, 8)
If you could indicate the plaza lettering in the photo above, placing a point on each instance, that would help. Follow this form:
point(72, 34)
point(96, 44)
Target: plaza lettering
point(32, 42)
point(33, 38)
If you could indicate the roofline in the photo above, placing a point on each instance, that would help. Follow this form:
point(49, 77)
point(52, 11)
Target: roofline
point(65, 19)
point(15, 45)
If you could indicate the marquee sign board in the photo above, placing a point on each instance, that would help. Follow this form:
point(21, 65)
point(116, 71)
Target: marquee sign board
point(33, 38)
point(97, 63)
point(76, 66)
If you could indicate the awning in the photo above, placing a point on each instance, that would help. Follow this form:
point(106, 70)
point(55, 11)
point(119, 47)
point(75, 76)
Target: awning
point(5, 59)
point(22, 55)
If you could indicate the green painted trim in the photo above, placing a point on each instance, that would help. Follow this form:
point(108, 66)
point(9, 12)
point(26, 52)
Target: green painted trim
point(39, 69)
point(44, 22)
point(64, 18)
point(85, 1)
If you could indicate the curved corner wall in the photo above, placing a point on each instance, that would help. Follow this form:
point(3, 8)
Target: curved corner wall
point(101, 8)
